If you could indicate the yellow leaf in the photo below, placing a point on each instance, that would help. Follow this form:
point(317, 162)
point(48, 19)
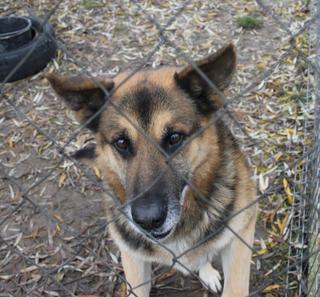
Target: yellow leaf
point(96, 172)
point(262, 252)
point(289, 131)
point(212, 14)
point(62, 179)
point(261, 66)
point(11, 142)
point(271, 287)
point(282, 224)
point(301, 40)
point(288, 191)
point(289, 199)
point(197, 19)
point(278, 156)
point(166, 275)
point(58, 217)
point(288, 61)
point(59, 276)
point(122, 290)
point(274, 229)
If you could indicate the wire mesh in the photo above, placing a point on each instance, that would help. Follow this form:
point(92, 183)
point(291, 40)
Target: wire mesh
point(314, 197)
point(53, 243)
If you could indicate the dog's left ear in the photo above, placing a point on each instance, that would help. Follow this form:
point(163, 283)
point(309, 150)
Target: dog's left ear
point(218, 68)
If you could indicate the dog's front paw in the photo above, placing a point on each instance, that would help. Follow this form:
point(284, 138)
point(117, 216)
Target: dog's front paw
point(210, 277)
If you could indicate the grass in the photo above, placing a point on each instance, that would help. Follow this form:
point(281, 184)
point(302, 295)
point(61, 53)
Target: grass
point(119, 27)
point(90, 4)
point(249, 22)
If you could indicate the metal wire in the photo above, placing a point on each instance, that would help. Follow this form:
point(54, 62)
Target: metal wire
point(304, 224)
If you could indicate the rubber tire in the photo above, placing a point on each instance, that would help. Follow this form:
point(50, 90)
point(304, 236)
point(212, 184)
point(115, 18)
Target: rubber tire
point(43, 52)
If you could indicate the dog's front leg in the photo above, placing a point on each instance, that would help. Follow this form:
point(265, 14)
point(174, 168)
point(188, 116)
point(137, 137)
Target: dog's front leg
point(236, 260)
point(210, 277)
point(137, 272)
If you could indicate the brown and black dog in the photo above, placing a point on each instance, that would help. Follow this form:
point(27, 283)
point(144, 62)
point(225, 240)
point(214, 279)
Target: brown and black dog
point(199, 196)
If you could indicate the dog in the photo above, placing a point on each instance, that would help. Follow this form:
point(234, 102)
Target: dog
point(180, 189)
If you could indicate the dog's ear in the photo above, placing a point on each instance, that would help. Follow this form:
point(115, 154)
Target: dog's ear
point(86, 155)
point(218, 68)
point(82, 95)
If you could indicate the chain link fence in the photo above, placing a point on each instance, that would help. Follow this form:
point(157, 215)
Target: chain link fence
point(53, 232)
point(313, 216)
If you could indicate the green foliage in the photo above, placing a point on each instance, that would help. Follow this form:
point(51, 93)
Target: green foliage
point(120, 27)
point(249, 22)
point(90, 4)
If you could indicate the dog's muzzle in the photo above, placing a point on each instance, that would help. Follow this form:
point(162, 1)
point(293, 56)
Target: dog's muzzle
point(149, 213)
point(157, 215)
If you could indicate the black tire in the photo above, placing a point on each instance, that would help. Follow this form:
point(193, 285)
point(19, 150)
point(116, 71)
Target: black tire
point(44, 50)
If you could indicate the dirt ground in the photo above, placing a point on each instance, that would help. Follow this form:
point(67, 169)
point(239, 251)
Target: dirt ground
point(54, 239)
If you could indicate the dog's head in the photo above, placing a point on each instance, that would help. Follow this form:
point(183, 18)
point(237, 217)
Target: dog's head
point(151, 116)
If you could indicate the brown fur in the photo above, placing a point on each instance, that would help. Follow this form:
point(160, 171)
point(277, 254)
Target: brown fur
point(143, 111)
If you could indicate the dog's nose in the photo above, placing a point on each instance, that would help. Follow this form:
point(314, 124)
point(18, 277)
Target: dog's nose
point(150, 214)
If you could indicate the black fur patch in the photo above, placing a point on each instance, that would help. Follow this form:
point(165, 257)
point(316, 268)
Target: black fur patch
point(225, 139)
point(200, 95)
point(134, 240)
point(224, 134)
point(144, 101)
point(97, 101)
point(144, 107)
point(88, 153)
point(220, 224)
point(93, 125)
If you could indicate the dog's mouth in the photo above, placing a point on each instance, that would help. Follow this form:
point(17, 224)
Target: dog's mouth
point(157, 234)
point(160, 235)
point(185, 188)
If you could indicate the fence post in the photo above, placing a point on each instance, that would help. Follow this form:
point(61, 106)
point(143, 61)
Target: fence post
point(314, 239)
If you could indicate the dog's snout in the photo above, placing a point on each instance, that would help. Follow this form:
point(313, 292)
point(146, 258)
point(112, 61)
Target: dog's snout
point(150, 214)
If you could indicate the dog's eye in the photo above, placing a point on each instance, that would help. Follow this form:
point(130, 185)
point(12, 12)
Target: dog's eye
point(174, 140)
point(122, 145)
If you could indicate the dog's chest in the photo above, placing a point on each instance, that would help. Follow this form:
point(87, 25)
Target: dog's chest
point(187, 257)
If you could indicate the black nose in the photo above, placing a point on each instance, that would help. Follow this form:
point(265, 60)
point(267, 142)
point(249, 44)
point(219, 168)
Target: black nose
point(149, 213)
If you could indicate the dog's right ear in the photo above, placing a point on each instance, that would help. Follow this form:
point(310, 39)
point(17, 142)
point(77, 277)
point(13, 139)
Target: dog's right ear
point(86, 155)
point(85, 96)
